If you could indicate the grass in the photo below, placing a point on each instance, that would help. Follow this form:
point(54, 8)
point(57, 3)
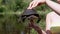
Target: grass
point(10, 18)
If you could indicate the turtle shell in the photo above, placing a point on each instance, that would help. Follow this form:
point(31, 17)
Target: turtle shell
point(29, 12)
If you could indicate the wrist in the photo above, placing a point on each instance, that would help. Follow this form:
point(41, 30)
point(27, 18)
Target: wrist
point(34, 26)
point(43, 1)
point(47, 1)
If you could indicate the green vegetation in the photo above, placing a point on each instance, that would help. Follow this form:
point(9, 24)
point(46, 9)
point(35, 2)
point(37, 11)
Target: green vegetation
point(10, 11)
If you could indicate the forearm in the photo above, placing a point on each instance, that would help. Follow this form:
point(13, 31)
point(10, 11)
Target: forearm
point(41, 31)
point(53, 5)
point(38, 29)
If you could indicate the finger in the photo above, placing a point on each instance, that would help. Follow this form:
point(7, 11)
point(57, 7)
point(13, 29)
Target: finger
point(30, 5)
point(34, 5)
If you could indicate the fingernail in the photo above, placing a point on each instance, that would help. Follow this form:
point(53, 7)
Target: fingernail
point(29, 8)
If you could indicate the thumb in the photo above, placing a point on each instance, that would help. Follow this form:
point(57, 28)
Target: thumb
point(29, 7)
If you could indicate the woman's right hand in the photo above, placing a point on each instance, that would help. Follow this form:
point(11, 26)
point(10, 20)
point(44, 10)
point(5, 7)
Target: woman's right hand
point(35, 3)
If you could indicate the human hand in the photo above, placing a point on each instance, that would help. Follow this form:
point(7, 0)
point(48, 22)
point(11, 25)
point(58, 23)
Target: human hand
point(58, 1)
point(31, 25)
point(35, 3)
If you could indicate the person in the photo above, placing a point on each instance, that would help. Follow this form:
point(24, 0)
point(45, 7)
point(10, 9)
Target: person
point(52, 18)
point(53, 5)
point(53, 23)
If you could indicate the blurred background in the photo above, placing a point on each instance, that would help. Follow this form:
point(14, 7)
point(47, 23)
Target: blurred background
point(10, 11)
